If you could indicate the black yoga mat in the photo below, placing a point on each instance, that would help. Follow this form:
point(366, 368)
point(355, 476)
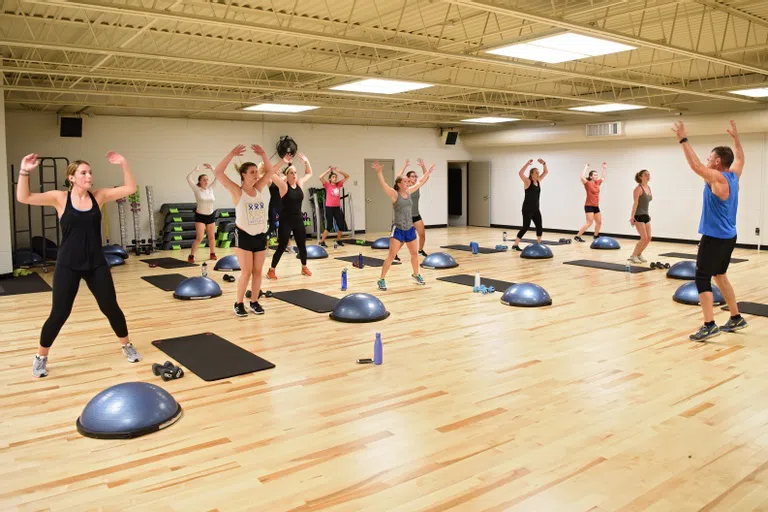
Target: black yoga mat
point(352, 241)
point(308, 299)
point(751, 308)
point(543, 242)
point(469, 280)
point(367, 261)
point(684, 256)
point(481, 250)
point(32, 283)
point(166, 282)
point(168, 263)
point(211, 357)
point(607, 266)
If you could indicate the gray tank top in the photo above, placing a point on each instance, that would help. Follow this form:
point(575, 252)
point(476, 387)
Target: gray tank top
point(415, 199)
point(403, 212)
point(642, 203)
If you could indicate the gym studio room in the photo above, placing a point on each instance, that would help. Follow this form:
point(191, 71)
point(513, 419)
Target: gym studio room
point(366, 255)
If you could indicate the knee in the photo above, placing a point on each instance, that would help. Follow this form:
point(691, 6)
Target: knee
point(703, 282)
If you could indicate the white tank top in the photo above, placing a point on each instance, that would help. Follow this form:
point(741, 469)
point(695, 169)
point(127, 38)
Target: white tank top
point(204, 196)
point(251, 213)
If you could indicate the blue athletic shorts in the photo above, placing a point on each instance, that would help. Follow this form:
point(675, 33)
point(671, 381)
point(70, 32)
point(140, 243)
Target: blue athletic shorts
point(403, 236)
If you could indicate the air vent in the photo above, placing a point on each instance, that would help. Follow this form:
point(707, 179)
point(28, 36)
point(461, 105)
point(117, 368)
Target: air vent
point(613, 129)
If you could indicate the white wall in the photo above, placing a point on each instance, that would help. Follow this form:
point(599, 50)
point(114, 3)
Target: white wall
point(6, 264)
point(461, 220)
point(162, 151)
point(677, 191)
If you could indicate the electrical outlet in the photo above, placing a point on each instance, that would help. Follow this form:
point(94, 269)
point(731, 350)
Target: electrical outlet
point(757, 231)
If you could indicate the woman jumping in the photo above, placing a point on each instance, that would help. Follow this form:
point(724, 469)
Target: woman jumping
point(418, 223)
point(205, 213)
point(291, 217)
point(250, 221)
point(592, 204)
point(80, 254)
point(639, 217)
point(531, 208)
point(403, 231)
point(333, 203)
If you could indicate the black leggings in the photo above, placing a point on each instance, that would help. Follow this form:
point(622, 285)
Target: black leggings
point(529, 216)
point(65, 285)
point(288, 224)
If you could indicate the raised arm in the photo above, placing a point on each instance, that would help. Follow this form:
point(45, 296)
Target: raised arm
point(55, 198)
point(278, 179)
point(711, 176)
point(391, 192)
point(307, 170)
point(269, 169)
point(635, 198)
point(326, 173)
point(738, 152)
point(424, 178)
point(544, 170)
point(584, 174)
point(522, 175)
point(105, 195)
point(346, 176)
point(605, 171)
point(221, 173)
point(209, 168)
point(191, 179)
point(405, 168)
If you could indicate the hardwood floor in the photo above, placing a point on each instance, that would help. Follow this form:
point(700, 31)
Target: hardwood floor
point(596, 403)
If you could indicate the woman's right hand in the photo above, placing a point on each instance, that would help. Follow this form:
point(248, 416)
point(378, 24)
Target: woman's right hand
point(377, 167)
point(238, 150)
point(632, 221)
point(29, 162)
point(208, 166)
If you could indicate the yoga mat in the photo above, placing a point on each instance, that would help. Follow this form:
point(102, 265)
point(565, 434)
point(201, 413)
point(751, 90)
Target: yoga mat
point(367, 261)
point(166, 282)
point(685, 256)
point(481, 250)
point(751, 308)
point(617, 267)
point(32, 283)
point(469, 280)
point(308, 299)
point(169, 263)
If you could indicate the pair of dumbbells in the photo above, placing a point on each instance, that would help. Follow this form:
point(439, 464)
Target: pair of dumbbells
point(565, 240)
point(500, 247)
point(483, 289)
point(229, 278)
point(167, 371)
point(268, 294)
point(659, 265)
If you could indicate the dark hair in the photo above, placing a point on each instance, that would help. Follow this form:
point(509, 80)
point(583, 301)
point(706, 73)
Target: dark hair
point(725, 154)
point(397, 182)
point(200, 178)
point(410, 172)
point(333, 174)
point(244, 169)
point(589, 176)
point(639, 176)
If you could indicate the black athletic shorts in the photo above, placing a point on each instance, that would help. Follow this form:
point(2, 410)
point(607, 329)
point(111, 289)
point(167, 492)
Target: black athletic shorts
point(416, 219)
point(714, 255)
point(251, 243)
point(591, 209)
point(334, 213)
point(205, 219)
point(644, 219)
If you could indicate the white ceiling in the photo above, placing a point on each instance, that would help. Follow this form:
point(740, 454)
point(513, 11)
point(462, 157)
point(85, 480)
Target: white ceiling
point(202, 59)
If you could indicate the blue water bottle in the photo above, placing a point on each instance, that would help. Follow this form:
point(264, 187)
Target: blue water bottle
point(378, 350)
point(360, 260)
point(474, 247)
point(344, 280)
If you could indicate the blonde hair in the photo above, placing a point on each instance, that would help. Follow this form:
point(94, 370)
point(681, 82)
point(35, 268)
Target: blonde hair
point(72, 169)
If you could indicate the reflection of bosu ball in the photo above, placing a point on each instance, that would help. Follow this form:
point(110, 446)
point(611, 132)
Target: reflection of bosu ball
point(196, 288)
point(439, 260)
point(526, 295)
point(683, 270)
point(315, 252)
point(113, 260)
point(689, 294)
point(286, 146)
point(44, 248)
point(359, 308)
point(127, 410)
point(25, 258)
point(605, 242)
point(381, 243)
point(536, 252)
point(227, 263)
point(115, 249)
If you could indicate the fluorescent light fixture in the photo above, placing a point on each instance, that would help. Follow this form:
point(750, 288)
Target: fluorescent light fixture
point(279, 107)
point(490, 120)
point(607, 107)
point(761, 92)
point(380, 86)
point(561, 48)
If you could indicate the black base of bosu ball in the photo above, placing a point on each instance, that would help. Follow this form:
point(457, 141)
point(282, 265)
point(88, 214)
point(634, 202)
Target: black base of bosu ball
point(315, 252)
point(359, 308)
point(537, 252)
point(381, 243)
point(128, 410)
point(689, 294)
point(116, 249)
point(438, 260)
point(197, 288)
point(227, 263)
point(605, 243)
point(526, 295)
point(683, 270)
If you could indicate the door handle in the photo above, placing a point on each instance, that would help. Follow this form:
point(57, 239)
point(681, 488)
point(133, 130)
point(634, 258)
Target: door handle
point(368, 200)
point(485, 198)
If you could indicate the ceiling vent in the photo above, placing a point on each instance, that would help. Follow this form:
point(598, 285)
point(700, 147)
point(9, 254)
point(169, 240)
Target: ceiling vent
point(613, 129)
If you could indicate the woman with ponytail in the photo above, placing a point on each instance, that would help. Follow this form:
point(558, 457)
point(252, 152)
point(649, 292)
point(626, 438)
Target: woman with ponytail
point(205, 213)
point(639, 216)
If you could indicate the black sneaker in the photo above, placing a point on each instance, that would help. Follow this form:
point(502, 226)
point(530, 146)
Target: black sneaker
point(397, 258)
point(734, 324)
point(578, 239)
point(339, 243)
point(423, 253)
point(516, 248)
point(240, 309)
point(705, 332)
point(323, 244)
point(256, 308)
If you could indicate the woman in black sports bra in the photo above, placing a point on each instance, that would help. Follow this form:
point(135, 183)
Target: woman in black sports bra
point(80, 254)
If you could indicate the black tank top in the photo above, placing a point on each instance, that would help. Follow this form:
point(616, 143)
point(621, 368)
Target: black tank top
point(275, 201)
point(292, 201)
point(80, 247)
point(532, 194)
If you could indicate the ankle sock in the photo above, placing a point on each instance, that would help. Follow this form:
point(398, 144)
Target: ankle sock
point(736, 317)
point(710, 324)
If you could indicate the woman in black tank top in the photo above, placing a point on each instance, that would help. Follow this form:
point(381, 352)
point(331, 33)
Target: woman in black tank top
point(291, 217)
point(80, 254)
point(531, 208)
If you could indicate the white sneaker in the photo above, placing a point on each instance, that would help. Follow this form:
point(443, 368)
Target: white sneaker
point(131, 353)
point(39, 366)
point(634, 259)
point(642, 260)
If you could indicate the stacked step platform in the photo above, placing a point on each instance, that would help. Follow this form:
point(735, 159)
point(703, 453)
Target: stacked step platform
point(179, 226)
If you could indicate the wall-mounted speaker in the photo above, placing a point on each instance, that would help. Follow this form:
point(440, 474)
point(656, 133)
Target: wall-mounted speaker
point(71, 127)
point(450, 137)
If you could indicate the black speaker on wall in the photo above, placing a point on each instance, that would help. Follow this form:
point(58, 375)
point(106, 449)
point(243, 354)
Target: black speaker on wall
point(454, 192)
point(71, 127)
point(450, 138)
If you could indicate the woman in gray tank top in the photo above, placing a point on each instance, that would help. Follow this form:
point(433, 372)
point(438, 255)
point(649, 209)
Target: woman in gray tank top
point(639, 217)
point(403, 231)
point(415, 196)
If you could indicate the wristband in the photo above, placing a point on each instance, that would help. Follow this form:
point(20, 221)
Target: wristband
point(683, 140)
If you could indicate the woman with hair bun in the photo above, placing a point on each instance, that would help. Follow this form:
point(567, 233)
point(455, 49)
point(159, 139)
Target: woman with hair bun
point(205, 213)
point(639, 217)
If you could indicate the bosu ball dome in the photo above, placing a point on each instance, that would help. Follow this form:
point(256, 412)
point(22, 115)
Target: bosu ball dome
point(227, 263)
point(359, 308)
point(439, 260)
point(381, 243)
point(526, 295)
point(537, 252)
point(196, 288)
point(605, 242)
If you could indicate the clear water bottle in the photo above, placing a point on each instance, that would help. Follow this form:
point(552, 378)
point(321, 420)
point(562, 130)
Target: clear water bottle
point(378, 350)
point(504, 236)
point(477, 279)
point(344, 280)
point(628, 268)
point(205, 269)
point(335, 245)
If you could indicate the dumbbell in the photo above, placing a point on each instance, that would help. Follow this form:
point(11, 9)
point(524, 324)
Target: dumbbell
point(228, 278)
point(500, 247)
point(167, 371)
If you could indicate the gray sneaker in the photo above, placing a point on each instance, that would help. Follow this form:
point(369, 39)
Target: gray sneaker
point(39, 366)
point(418, 279)
point(131, 353)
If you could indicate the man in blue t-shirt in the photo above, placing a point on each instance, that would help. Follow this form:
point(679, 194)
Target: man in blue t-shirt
point(717, 227)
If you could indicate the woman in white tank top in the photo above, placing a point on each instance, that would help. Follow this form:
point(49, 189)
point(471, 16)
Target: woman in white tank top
point(205, 213)
point(251, 209)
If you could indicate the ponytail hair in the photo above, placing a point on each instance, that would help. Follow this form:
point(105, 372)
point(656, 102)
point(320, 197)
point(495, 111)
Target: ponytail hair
point(639, 176)
point(244, 169)
point(71, 170)
point(200, 178)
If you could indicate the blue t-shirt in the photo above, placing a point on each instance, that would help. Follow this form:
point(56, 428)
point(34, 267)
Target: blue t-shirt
point(718, 217)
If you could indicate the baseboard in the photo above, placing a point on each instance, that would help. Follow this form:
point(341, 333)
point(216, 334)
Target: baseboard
point(626, 237)
point(434, 226)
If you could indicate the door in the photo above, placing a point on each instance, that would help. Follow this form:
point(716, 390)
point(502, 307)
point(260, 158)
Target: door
point(378, 207)
point(479, 189)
